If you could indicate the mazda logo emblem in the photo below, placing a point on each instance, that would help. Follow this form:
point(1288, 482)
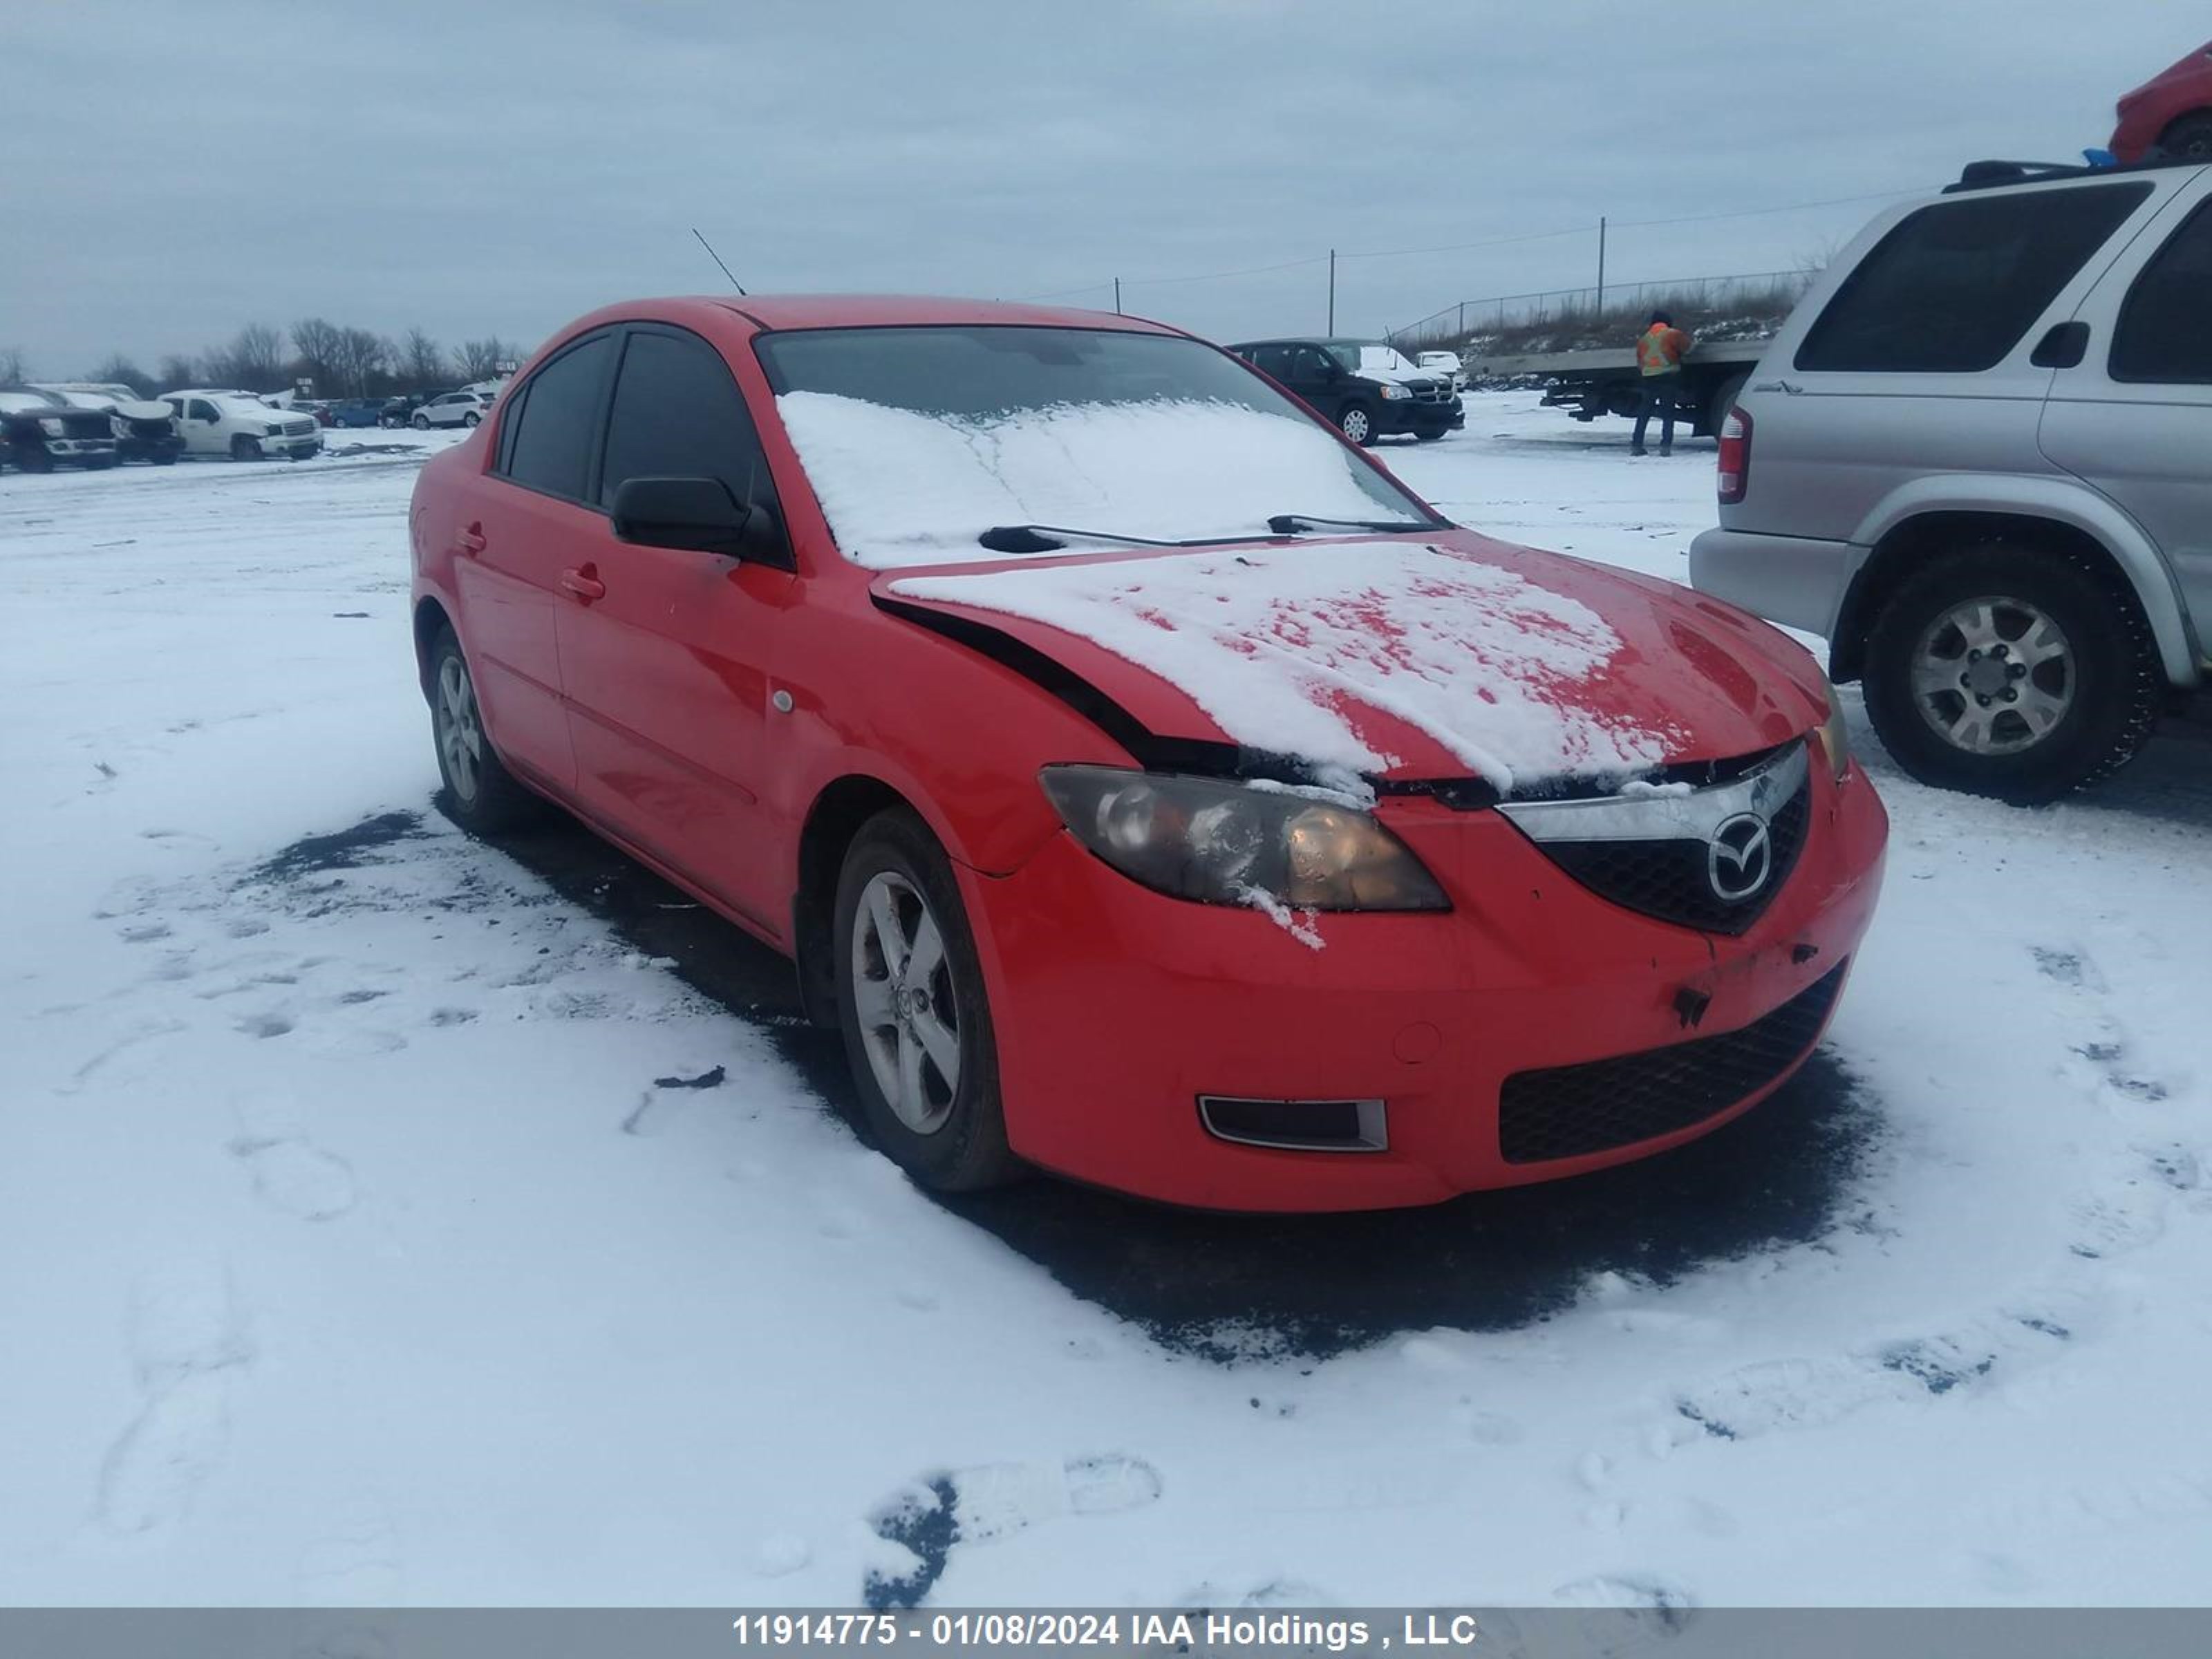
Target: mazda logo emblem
point(1740, 858)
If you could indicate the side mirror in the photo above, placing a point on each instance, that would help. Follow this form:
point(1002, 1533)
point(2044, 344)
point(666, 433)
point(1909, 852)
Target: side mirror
point(698, 516)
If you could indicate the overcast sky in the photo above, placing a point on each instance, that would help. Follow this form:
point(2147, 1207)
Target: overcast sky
point(479, 167)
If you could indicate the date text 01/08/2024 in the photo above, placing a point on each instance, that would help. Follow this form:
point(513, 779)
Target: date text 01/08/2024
point(1169, 1631)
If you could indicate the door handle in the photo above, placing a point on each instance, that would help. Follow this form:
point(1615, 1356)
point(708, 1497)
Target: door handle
point(584, 584)
point(472, 539)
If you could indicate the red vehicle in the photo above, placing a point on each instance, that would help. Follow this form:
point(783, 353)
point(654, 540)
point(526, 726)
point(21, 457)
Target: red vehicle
point(1152, 789)
point(2169, 115)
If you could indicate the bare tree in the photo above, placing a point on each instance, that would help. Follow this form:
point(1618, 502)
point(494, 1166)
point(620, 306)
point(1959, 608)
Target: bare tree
point(257, 357)
point(176, 370)
point(12, 369)
point(120, 370)
point(360, 359)
point(421, 362)
point(321, 349)
point(478, 360)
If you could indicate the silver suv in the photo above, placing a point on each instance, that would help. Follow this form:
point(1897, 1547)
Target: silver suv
point(1978, 458)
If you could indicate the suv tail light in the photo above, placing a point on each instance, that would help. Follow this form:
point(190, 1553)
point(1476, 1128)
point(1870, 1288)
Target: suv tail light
point(1735, 456)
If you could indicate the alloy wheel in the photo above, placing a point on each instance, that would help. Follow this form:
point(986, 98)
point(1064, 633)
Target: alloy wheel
point(460, 733)
point(1993, 676)
point(905, 1002)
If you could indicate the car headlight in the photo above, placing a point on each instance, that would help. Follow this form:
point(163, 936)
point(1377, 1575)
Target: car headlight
point(1219, 843)
point(1835, 735)
point(1392, 392)
point(272, 431)
point(52, 425)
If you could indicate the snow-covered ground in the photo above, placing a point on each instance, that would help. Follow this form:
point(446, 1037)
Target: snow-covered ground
point(385, 1217)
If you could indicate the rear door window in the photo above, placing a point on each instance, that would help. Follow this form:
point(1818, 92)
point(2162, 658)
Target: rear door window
point(2164, 333)
point(677, 414)
point(556, 427)
point(1952, 289)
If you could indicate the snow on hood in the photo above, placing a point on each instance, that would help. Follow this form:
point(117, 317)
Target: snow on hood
point(1294, 650)
point(900, 488)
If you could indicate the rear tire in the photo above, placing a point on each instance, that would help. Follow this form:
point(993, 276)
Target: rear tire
point(471, 418)
point(481, 795)
point(165, 460)
point(2189, 138)
point(1717, 406)
point(1357, 422)
point(2035, 634)
point(910, 997)
point(31, 460)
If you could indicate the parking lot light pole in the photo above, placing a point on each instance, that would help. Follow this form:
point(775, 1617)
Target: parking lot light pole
point(1331, 291)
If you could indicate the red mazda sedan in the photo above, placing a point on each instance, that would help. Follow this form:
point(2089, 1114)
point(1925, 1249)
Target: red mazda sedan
point(1151, 787)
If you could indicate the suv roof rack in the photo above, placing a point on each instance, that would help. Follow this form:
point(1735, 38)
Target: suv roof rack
point(1994, 175)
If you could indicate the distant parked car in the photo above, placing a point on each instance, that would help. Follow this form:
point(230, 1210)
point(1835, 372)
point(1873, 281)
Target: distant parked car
point(357, 411)
point(1445, 365)
point(1974, 458)
point(452, 409)
point(240, 425)
point(2170, 114)
point(40, 432)
point(1366, 388)
point(145, 430)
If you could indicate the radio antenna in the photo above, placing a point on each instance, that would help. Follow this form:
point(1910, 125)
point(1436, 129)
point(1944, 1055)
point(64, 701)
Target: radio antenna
point(717, 259)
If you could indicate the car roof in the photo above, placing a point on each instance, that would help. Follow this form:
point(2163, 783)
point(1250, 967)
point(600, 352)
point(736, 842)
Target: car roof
point(774, 311)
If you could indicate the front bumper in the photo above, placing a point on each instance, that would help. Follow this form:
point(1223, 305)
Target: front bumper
point(306, 444)
point(81, 449)
point(1794, 581)
point(1406, 415)
point(1115, 1008)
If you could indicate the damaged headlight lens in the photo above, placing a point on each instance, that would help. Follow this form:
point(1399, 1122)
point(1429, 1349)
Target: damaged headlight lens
point(1835, 735)
point(1220, 842)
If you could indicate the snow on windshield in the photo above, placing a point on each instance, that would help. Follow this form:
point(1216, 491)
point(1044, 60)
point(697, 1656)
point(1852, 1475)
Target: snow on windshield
point(902, 487)
point(1285, 647)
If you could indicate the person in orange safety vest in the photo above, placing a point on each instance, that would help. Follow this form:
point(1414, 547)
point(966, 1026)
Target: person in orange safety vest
point(1659, 351)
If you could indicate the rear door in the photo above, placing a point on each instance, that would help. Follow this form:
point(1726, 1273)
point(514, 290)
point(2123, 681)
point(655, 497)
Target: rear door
point(2134, 417)
point(1924, 354)
point(526, 523)
point(666, 665)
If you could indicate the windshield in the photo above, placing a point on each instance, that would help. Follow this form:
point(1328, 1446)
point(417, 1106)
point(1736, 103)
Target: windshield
point(31, 397)
point(917, 439)
point(1364, 356)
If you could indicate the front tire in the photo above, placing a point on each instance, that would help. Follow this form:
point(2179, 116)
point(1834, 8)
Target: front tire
point(2189, 138)
point(244, 448)
point(911, 1004)
point(471, 419)
point(422, 423)
point(2012, 671)
point(1357, 422)
point(481, 795)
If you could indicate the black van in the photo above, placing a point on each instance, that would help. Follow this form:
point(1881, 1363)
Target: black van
point(1367, 387)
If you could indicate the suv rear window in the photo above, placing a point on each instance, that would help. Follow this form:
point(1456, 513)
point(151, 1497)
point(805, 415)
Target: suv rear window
point(1952, 289)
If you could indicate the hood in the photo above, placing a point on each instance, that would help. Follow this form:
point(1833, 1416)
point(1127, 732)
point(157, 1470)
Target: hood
point(1401, 658)
point(138, 409)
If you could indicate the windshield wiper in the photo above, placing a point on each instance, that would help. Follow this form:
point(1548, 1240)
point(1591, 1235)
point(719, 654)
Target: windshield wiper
point(1038, 538)
point(1289, 523)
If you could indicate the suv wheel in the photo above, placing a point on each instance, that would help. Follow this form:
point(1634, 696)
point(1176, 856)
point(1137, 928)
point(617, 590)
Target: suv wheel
point(481, 794)
point(2010, 671)
point(245, 448)
point(471, 418)
point(910, 1001)
point(1356, 424)
point(2191, 138)
point(421, 422)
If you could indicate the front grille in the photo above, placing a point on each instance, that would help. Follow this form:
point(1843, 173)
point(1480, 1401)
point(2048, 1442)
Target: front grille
point(1672, 880)
point(298, 428)
point(1571, 1111)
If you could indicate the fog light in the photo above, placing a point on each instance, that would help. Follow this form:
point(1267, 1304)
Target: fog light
point(1298, 1126)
